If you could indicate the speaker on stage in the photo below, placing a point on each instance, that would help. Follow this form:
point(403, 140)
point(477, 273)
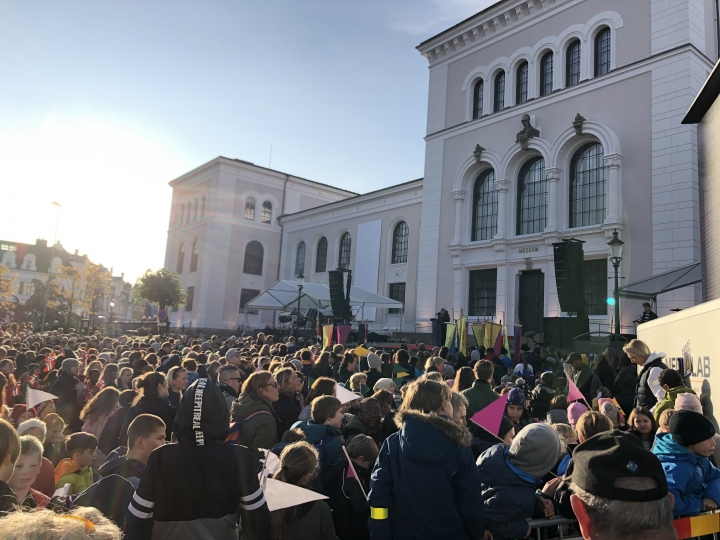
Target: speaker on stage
point(338, 301)
point(569, 275)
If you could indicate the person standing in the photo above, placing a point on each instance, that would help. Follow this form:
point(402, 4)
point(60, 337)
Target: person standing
point(647, 314)
point(67, 404)
point(230, 383)
point(648, 390)
point(151, 399)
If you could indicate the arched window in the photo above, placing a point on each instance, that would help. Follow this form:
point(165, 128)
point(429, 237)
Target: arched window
point(250, 209)
point(197, 206)
point(478, 91)
point(266, 215)
point(499, 92)
point(182, 214)
point(254, 254)
point(321, 255)
point(401, 233)
point(546, 74)
point(587, 186)
point(532, 197)
point(602, 52)
point(190, 212)
point(202, 208)
point(344, 255)
point(194, 256)
point(521, 85)
point(181, 258)
point(300, 259)
point(485, 207)
point(572, 64)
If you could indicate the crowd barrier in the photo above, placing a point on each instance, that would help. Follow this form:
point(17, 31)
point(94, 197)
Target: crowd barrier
point(537, 526)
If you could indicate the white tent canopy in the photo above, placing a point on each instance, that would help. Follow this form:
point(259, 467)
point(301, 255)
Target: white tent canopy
point(283, 295)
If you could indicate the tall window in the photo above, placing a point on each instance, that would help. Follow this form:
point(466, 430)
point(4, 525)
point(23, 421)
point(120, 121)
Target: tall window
point(587, 186)
point(25, 288)
point(572, 64)
point(181, 258)
point(197, 207)
point(400, 243)
point(483, 292)
point(245, 296)
point(499, 92)
point(344, 255)
point(485, 206)
point(521, 85)
point(596, 286)
point(532, 197)
point(321, 255)
point(300, 259)
point(250, 209)
point(266, 215)
point(254, 254)
point(194, 256)
point(202, 208)
point(182, 214)
point(478, 91)
point(190, 298)
point(397, 292)
point(546, 74)
point(602, 52)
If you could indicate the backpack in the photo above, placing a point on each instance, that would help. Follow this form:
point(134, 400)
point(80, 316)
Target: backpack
point(316, 484)
point(234, 434)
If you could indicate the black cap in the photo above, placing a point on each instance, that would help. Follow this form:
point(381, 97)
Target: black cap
point(604, 457)
point(573, 357)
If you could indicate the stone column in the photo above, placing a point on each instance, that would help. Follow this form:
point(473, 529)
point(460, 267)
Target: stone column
point(503, 211)
point(613, 212)
point(459, 198)
point(553, 178)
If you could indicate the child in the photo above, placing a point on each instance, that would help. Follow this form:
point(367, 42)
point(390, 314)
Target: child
point(569, 440)
point(515, 409)
point(642, 425)
point(574, 412)
point(323, 432)
point(75, 470)
point(672, 382)
point(191, 366)
point(664, 421)
point(350, 507)
point(510, 477)
point(54, 443)
point(25, 473)
point(684, 453)
point(9, 453)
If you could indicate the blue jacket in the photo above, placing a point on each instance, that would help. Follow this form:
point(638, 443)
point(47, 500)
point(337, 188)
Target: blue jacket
point(508, 494)
point(691, 478)
point(333, 457)
point(429, 459)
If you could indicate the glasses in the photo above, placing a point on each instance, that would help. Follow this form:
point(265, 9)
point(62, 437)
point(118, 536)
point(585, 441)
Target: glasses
point(373, 413)
point(274, 384)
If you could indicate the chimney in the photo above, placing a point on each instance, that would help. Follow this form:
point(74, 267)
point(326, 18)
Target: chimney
point(122, 276)
point(41, 243)
point(77, 252)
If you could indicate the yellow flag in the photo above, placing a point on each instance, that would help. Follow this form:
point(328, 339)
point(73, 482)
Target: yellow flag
point(361, 351)
point(327, 334)
point(450, 336)
point(462, 335)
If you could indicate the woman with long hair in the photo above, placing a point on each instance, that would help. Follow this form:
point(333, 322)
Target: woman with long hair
point(151, 398)
point(177, 379)
point(124, 380)
point(643, 426)
point(109, 376)
point(298, 462)
point(96, 413)
point(464, 379)
point(322, 365)
point(287, 407)
point(324, 386)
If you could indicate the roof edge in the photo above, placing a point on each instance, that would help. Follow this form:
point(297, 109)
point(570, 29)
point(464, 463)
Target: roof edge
point(705, 98)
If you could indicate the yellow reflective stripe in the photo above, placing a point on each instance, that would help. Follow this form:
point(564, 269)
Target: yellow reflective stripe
point(378, 513)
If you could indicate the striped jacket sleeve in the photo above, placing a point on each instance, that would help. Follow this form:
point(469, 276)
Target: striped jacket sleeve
point(139, 518)
point(254, 513)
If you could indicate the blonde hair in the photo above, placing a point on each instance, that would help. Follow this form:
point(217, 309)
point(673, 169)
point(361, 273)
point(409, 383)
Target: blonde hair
point(83, 523)
point(637, 348)
point(433, 376)
point(565, 432)
point(355, 383)
point(256, 381)
point(433, 361)
point(426, 396)
point(591, 423)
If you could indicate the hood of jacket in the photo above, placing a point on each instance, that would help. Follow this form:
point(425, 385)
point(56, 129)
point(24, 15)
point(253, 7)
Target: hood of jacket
point(495, 469)
point(430, 438)
point(227, 389)
point(314, 433)
point(245, 405)
point(672, 394)
point(122, 466)
point(202, 417)
point(666, 449)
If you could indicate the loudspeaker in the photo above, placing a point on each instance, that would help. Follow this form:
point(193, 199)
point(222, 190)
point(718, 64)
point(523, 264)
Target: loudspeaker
point(569, 275)
point(311, 313)
point(560, 331)
point(338, 301)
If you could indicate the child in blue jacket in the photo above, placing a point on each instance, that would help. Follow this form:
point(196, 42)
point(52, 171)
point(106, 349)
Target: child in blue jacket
point(684, 452)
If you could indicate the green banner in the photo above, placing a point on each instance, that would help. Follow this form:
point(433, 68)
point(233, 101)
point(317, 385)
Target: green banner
point(450, 336)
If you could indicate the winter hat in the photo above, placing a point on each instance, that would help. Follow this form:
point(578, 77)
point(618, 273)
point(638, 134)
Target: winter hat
point(475, 356)
point(535, 450)
point(516, 397)
point(155, 346)
point(384, 384)
point(68, 364)
point(374, 360)
point(297, 363)
point(32, 423)
point(505, 426)
point(688, 402)
point(575, 411)
point(104, 356)
point(21, 408)
point(54, 421)
point(230, 353)
point(449, 371)
point(611, 411)
point(689, 427)
point(557, 416)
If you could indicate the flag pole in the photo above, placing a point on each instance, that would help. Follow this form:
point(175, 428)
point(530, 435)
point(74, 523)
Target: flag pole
point(354, 473)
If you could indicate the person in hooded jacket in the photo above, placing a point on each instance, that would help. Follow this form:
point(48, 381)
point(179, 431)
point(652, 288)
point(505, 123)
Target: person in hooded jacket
point(515, 409)
point(67, 404)
point(542, 395)
point(483, 440)
point(199, 487)
point(625, 383)
point(150, 399)
point(429, 458)
point(511, 475)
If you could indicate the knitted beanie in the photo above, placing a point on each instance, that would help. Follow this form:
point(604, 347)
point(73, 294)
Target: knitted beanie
point(374, 360)
point(535, 449)
point(575, 411)
point(688, 402)
point(689, 427)
point(516, 397)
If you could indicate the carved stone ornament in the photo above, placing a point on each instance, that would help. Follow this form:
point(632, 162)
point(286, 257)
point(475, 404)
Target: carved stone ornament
point(478, 153)
point(578, 123)
point(527, 133)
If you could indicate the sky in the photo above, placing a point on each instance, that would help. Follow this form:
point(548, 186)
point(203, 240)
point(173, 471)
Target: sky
point(102, 103)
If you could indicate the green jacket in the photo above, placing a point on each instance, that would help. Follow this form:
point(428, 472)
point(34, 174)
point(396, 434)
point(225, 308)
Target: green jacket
point(258, 432)
point(79, 479)
point(479, 396)
point(669, 401)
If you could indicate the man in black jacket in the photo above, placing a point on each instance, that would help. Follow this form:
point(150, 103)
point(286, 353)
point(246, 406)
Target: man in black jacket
point(64, 388)
point(197, 488)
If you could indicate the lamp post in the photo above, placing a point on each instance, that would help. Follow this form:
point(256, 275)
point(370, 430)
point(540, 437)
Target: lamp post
point(52, 259)
point(616, 246)
point(300, 280)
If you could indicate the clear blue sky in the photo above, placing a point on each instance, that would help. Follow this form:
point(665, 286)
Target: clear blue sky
point(103, 102)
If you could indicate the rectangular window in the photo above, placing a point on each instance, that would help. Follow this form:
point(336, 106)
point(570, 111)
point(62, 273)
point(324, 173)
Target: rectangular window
point(25, 287)
point(245, 296)
point(596, 286)
point(190, 298)
point(397, 292)
point(483, 293)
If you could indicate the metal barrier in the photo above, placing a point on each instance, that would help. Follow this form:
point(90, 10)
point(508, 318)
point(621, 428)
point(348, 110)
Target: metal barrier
point(537, 525)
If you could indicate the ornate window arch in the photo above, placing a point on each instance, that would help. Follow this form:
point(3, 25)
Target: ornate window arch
point(181, 258)
point(532, 197)
point(602, 52)
point(266, 215)
point(587, 186)
point(521, 83)
point(499, 92)
point(344, 251)
point(250, 208)
point(321, 255)
point(401, 235)
point(546, 73)
point(195, 255)
point(478, 91)
point(254, 254)
point(300, 259)
point(485, 207)
point(572, 63)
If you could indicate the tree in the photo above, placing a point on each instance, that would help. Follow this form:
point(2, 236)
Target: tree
point(56, 306)
point(8, 301)
point(96, 284)
point(70, 288)
point(162, 287)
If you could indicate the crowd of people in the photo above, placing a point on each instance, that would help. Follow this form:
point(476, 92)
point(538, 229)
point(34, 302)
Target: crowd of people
point(170, 438)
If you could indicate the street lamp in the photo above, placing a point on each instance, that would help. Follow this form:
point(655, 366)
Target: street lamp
point(52, 259)
point(616, 246)
point(300, 280)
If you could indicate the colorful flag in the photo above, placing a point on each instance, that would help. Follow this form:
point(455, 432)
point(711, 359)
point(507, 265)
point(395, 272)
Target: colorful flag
point(343, 331)
point(478, 332)
point(505, 340)
point(462, 335)
point(361, 351)
point(327, 331)
point(492, 331)
point(400, 375)
point(517, 337)
point(573, 393)
point(450, 336)
point(491, 416)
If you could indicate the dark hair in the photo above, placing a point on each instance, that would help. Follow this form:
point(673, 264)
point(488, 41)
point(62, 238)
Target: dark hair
point(126, 398)
point(464, 379)
point(484, 369)
point(297, 460)
point(143, 426)
point(324, 407)
point(323, 386)
point(147, 385)
point(189, 364)
point(79, 442)
point(293, 435)
point(402, 356)
point(102, 404)
point(671, 377)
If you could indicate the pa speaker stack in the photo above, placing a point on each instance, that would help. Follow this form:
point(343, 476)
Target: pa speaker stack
point(339, 302)
point(569, 276)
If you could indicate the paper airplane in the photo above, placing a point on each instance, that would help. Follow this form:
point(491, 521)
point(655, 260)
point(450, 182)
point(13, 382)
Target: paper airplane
point(490, 416)
point(35, 397)
point(271, 463)
point(279, 495)
point(345, 395)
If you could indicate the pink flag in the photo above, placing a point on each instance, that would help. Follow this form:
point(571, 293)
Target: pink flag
point(491, 416)
point(343, 331)
point(573, 393)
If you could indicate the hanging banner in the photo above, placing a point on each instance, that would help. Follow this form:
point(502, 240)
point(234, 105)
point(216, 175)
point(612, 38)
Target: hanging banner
point(327, 331)
point(450, 336)
point(505, 341)
point(478, 332)
point(343, 331)
point(492, 331)
point(462, 335)
point(517, 337)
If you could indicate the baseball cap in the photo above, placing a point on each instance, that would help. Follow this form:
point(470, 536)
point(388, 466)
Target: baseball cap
point(230, 353)
point(605, 457)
